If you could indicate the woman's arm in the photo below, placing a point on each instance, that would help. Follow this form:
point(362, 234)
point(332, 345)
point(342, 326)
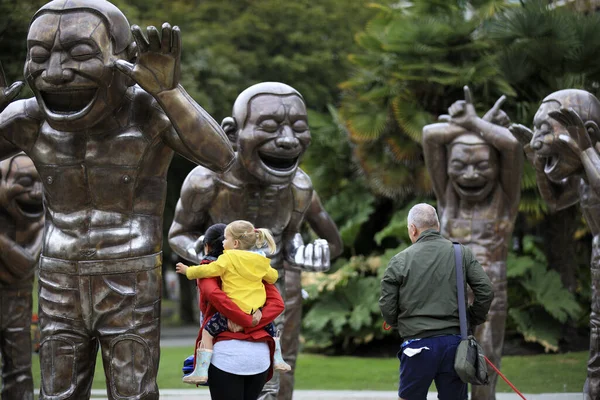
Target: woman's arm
point(273, 307)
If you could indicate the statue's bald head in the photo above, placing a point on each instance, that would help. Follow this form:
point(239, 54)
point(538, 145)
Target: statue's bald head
point(585, 104)
point(423, 216)
point(116, 22)
point(241, 106)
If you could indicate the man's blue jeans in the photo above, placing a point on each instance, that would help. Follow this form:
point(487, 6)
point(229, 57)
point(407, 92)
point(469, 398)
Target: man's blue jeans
point(436, 363)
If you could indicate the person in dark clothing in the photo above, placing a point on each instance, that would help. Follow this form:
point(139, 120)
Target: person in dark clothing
point(419, 300)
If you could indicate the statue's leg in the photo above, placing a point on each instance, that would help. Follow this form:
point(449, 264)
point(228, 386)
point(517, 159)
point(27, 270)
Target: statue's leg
point(291, 332)
point(67, 348)
point(127, 319)
point(592, 389)
point(271, 388)
point(17, 383)
point(490, 334)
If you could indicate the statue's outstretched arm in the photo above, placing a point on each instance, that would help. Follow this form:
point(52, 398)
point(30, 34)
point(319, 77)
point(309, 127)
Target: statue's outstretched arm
point(320, 222)
point(191, 215)
point(157, 70)
point(18, 261)
point(19, 120)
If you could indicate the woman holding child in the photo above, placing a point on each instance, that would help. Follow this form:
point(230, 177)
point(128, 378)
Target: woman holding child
point(238, 317)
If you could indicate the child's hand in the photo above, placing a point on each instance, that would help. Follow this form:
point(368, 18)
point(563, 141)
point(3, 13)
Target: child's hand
point(181, 268)
point(256, 317)
point(233, 327)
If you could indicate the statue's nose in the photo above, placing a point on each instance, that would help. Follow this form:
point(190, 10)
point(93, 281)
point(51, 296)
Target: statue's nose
point(55, 73)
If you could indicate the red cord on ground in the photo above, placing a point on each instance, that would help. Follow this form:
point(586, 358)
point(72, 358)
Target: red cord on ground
point(503, 377)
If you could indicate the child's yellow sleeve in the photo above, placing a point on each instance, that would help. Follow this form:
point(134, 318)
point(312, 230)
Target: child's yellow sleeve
point(205, 270)
point(271, 275)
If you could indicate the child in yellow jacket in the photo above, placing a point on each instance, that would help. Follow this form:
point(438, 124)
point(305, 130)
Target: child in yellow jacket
point(242, 268)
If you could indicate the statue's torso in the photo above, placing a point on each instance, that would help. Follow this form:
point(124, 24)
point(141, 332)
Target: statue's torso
point(104, 193)
point(268, 207)
point(486, 230)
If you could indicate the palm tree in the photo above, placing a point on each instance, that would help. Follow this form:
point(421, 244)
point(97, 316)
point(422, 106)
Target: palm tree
point(415, 59)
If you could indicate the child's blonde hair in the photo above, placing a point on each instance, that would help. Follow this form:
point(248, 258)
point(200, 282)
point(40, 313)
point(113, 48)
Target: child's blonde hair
point(248, 236)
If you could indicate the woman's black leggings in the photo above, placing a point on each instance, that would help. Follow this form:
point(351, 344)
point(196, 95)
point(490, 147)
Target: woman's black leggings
point(226, 386)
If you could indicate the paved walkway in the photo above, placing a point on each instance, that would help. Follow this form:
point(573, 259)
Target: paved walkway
point(202, 394)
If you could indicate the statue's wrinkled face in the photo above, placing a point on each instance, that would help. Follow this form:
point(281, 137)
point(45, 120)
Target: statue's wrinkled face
point(560, 161)
point(473, 170)
point(21, 189)
point(274, 137)
point(70, 69)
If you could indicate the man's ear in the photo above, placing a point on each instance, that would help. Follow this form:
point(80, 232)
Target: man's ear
point(230, 127)
point(592, 129)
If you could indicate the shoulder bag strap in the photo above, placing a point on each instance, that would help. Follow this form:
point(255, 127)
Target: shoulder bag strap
point(460, 288)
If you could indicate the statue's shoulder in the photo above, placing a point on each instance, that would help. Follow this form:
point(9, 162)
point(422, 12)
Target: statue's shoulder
point(145, 110)
point(200, 179)
point(198, 189)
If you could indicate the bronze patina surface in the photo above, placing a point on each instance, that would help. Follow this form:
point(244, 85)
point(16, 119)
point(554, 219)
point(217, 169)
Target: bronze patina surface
point(563, 148)
point(269, 129)
point(107, 116)
point(21, 224)
point(475, 165)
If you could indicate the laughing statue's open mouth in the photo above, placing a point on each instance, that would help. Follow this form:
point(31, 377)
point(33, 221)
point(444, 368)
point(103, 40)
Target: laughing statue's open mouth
point(279, 163)
point(472, 189)
point(30, 208)
point(551, 162)
point(67, 102)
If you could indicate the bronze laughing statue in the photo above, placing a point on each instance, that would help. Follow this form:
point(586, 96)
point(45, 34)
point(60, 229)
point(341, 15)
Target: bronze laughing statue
point(475, 166)
point(563, 148)
point(21, 223)
point(102, 145)
point(269, 128)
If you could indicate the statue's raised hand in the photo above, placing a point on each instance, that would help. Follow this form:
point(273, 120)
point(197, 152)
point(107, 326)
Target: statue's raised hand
point(578, 139)
point(313, 257)
point(522, 133)
point(8, 94)
point(462, 112)
point(157, 67)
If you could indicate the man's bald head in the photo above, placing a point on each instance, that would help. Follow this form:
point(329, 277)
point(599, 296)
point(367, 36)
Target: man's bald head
point(422, 217)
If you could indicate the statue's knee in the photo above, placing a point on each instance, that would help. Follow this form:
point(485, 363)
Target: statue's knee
point(132, 368)
point(57, 356)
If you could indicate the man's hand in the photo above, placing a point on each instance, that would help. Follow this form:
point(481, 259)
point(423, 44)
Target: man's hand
point(158, 64)
point(313, 257)
point(578, 139)
point(8, 94)
point(181, 268)
point(233, 327)
point(256, 317)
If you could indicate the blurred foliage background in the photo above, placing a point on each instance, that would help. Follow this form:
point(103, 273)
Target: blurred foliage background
point(373, 73)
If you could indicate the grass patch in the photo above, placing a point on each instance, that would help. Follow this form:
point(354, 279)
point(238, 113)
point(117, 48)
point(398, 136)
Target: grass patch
point(548, 373)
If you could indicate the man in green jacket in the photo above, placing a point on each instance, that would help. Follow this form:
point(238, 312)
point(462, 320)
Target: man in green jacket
point(419, 299)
